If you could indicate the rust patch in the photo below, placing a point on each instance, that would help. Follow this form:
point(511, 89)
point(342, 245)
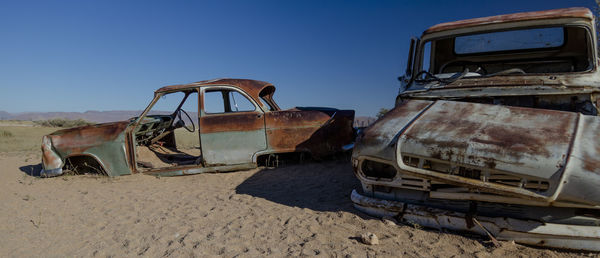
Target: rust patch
point(490, 163)
point(77, 140)
point(406, 110)
point(295, 118)
point(508, 130)
point(591, 164)
point(251, 87)
point(49, 158)
point(313, 131)
point(440, 144)
point(237, 121)
point(289, 139)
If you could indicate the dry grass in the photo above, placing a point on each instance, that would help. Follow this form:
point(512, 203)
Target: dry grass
point(29, 138)
point(15, 123)
point(22, 138)
point(61, 122)
point(5, 134)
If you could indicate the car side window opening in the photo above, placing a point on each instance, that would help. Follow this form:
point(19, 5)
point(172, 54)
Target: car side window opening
point(266, 103)
point(226, 101)
point(266, 98)
point(213, 102)
point(239, 103)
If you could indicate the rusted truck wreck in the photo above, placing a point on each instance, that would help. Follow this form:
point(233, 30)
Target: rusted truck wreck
point(239, 126)
point(495, 131)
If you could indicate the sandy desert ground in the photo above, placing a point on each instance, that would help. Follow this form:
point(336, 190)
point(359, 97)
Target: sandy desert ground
point(296, 210)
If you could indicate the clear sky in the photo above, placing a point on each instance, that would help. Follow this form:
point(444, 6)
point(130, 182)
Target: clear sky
point(111, 55)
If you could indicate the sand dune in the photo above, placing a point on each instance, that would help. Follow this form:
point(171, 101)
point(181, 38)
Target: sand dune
point(290, 211)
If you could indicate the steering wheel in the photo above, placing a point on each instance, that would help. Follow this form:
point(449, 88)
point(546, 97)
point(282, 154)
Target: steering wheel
point(184, 125)
point(480, 69)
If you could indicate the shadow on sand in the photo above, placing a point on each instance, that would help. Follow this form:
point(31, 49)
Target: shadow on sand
point(320, 186)
point(32, 170)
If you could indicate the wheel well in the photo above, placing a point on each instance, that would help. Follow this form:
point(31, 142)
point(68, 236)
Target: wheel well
point(83, 164)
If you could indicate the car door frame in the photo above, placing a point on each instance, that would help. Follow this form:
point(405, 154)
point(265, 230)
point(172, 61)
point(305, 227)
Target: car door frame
point(231, 138)
point(131, 142)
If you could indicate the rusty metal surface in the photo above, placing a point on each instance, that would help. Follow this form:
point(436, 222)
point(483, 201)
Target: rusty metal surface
point(521, 231)
point(544, 84)
point(582, 171)
point(583, 79)
point(379, 140)
point(554, 147)
point(235, 121)
point(229, 141)
point(287, 129)
point(81, 138)
point(518, 146)
point(50, 159)
point(521, 140)
point(251, 87)
point(105, 143)
point(319, 133)
point(575, 12)
point(232, 138)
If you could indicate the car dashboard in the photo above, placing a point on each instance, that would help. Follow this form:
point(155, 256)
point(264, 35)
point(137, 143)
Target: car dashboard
point(152, 126)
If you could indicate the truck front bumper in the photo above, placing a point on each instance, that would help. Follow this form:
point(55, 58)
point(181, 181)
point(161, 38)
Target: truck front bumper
point(529, 232)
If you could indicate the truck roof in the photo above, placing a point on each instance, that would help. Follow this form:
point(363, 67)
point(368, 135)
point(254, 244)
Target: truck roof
point(574, 12)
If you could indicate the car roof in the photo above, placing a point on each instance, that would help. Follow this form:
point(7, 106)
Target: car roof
point(574, 12)
point(251, 87)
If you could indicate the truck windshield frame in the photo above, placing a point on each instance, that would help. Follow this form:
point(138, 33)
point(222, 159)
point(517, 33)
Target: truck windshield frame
point(586, 61)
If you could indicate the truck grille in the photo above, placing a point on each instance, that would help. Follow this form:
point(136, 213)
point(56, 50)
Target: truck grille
point(483, 174)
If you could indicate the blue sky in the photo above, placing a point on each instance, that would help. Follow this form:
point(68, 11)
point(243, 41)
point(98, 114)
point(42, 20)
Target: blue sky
point(111, 55)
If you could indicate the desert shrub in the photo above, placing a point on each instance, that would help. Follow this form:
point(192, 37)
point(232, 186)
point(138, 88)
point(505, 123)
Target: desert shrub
point(5, 134)
point(61, 122)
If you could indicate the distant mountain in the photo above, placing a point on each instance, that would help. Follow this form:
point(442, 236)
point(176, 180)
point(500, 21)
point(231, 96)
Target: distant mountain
point(92, 116)
point(117, 115)
point(4, 115)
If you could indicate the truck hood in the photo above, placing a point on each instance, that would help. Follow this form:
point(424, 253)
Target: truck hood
point(525, 141)
point(533, 153)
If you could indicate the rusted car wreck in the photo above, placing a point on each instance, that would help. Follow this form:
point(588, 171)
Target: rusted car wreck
point(495, 131)
point(239, 127)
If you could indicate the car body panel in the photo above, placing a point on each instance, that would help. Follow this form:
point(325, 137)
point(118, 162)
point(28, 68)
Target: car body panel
point(232, 138)
point(229, 141)
point(103, 142)
point(312, 131)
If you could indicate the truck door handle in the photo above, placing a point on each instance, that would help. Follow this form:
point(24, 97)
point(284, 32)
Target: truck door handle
point(259, 115)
